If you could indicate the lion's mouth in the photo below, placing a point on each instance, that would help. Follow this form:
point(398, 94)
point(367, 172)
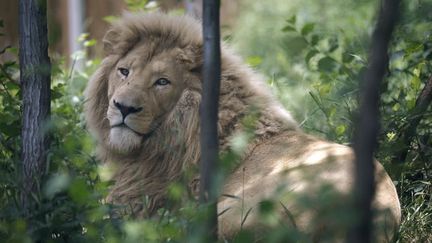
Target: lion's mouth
point(123, 125)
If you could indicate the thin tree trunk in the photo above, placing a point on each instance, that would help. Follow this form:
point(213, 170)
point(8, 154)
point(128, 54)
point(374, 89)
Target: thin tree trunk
point(35, 69)
point(367, 128)
point(422, 103)
point(209, 112)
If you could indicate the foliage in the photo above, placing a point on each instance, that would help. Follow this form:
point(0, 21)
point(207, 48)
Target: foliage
point(314, 59)
point(327, 58)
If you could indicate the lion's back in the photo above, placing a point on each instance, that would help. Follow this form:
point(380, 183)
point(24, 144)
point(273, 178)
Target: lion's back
point(296, 172)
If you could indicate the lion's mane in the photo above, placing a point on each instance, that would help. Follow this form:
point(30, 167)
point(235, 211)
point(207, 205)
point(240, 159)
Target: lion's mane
point(174, 145)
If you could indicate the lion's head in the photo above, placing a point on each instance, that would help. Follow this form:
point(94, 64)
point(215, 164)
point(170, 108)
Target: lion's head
point(151, 72)
point(142, 104)
point(151, 79)
point(142, 92)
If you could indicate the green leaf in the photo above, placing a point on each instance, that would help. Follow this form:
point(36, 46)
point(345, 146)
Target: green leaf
point(254, 61)
point(396, 107)
point(10, 86)
point(292, 20)
point(1, 23)
point(324, 89)
point(89, 43)
point(332, 112)
point(79, 191)
point(175, 191)
point(326, 64)
point(340, 130)
point(414, 47)
point(307, 28)
point(57, 183)
point(415, 83)
point(314, 40)
point(83, 37)
point(347, 57)
point(333, 44)
point(10, 130)
point(316, 99)
point(411, 103)
point(244, 236)
point(56, 94)
point(289, 28)
point(266, 206)
point(295, 45)
point(310, 54)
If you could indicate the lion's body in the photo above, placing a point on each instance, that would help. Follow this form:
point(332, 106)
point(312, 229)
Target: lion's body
point(146, 120)
point(293, 168)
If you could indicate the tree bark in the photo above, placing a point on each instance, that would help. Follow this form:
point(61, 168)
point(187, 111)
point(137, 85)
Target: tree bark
point(365, 140)
point(35, 69)
point(209, 112)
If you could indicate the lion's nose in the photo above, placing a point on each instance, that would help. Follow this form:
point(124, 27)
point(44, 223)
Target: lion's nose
point(126, 110)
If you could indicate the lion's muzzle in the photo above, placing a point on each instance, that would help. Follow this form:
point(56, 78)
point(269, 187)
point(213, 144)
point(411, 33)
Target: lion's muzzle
point(126, 110)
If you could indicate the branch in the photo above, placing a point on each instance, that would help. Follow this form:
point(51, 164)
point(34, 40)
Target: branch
point(422, 103)
point(365, 140)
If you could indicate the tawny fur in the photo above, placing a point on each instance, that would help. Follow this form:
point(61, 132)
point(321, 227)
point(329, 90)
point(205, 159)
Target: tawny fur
point(170, 142)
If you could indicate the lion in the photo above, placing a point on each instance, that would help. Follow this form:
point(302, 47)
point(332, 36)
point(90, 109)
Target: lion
point(142, 106)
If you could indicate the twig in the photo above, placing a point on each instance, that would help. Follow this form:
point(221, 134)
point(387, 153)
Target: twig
point(422, 103)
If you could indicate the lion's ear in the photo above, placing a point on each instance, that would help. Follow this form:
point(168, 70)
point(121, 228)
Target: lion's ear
point(191, 57)
point(109, 41)
point(120, 39)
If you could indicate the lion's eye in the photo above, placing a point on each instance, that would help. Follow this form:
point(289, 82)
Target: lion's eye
point(124, 71)
point(162, 82)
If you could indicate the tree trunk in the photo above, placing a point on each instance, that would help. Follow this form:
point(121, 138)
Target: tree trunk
point(422, 103)
point(365, 141)
point(35, 69)
point(209, 112)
